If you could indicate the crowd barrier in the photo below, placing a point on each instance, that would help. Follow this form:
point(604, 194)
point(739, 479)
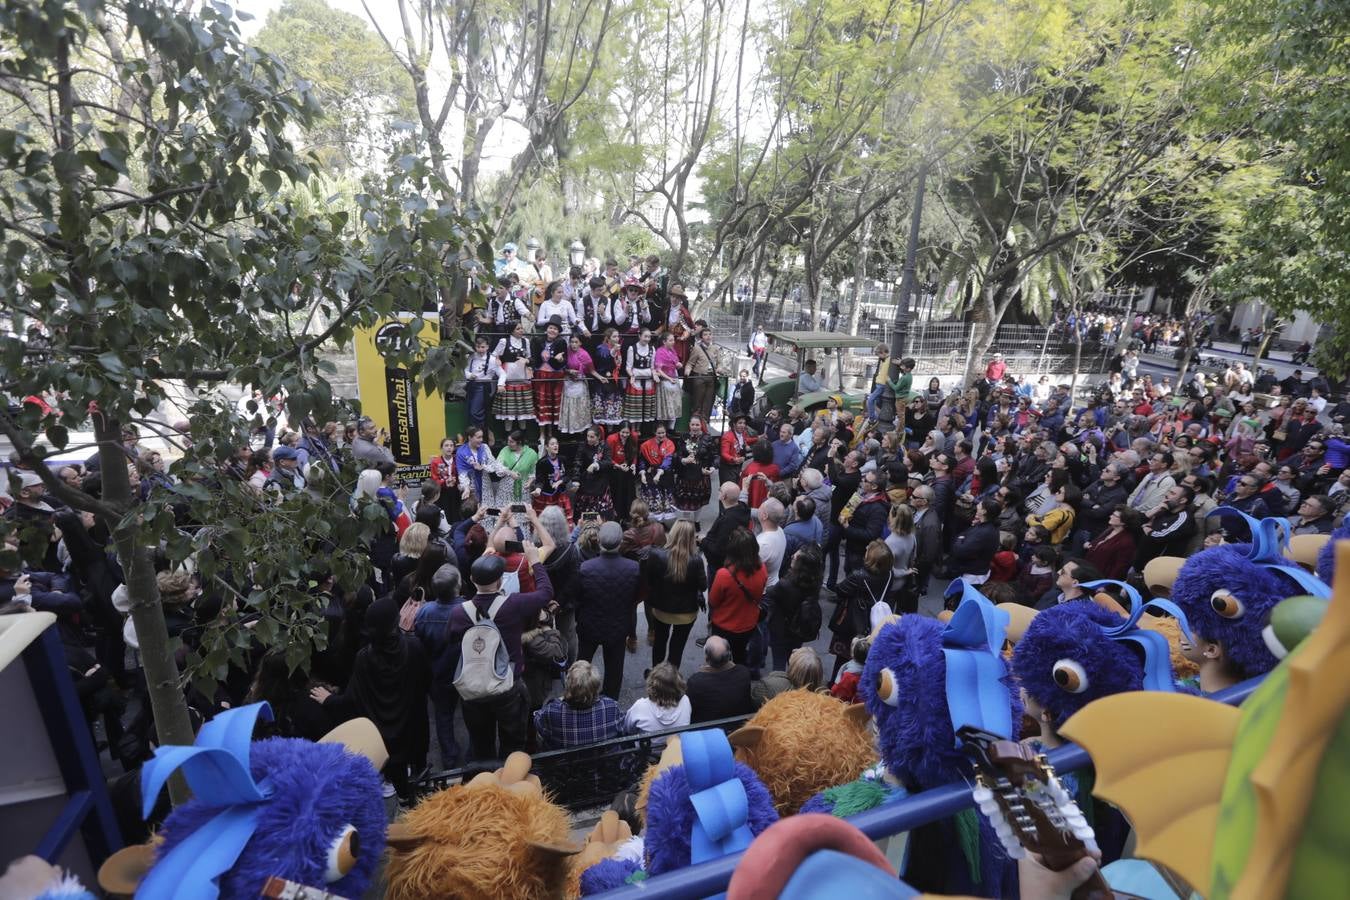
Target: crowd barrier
point(585, 778)
point(707, 879)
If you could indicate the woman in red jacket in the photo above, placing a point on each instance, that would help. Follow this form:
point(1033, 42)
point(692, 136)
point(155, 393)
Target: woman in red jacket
point(760, 474)
point(623, 454)
point(733, 601)
point(1112, 551)
point(447, 479)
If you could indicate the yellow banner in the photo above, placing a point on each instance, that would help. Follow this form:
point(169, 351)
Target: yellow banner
point(414, 419)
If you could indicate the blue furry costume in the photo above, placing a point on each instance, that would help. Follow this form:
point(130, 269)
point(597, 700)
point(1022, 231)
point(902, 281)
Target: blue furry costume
point(276, 807)
point(1065, 660)
point(1228, 592)
point(689, 823)
point(917, 739)
point(1326, 558)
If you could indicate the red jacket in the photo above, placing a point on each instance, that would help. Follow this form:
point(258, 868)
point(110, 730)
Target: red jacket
point(729, 606)
point(759, 490)
point(729, 446)
point(443, 471)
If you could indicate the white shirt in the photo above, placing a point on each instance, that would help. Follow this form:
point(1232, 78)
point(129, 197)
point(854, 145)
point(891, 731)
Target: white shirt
point(562, 309)
point(644, 716)
point(772, 547)
point(480, 367)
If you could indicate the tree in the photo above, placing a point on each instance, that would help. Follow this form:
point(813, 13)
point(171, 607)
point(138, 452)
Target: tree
point(1095, 102)
point(359, 86)
point(141, 227)
point(1285, 92)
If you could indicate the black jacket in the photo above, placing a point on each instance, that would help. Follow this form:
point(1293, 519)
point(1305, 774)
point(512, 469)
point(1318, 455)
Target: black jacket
point(855, 596)
point(715, 541)
point(867, 523)
point(608, 592)
point(672, 596)
point(720, 695)
point(973, 550)
point(1098, 502)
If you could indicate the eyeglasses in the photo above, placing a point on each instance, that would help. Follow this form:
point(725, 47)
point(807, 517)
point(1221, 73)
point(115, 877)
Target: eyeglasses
point(1251, 484)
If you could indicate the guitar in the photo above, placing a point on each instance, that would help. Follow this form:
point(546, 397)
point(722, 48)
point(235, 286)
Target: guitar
point(1030, 809)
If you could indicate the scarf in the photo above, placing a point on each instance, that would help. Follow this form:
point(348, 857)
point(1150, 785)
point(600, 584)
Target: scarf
point(656, 452)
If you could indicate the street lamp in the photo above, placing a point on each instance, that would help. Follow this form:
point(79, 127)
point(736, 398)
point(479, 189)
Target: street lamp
point(577, 252)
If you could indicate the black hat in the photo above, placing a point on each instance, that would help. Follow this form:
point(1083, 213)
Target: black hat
point(555, 321)
point(487, 569)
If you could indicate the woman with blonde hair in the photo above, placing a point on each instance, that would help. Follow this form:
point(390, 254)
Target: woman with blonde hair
point(411, 546)
point(676, 580)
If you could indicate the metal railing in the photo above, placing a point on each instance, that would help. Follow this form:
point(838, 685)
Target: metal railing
point(583, 778)
point(923, 808)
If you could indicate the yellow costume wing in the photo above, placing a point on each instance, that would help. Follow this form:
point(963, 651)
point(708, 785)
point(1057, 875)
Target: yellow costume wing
point(1162, 759)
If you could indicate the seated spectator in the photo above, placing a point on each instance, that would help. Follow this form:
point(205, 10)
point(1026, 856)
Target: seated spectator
point(721, 688)
point(1004, 565)
point(1314, 515)
point(1112, 552)
point(1069, 583)
point(666, 705)
point(1037, 574)
point(582, 715)
point(804, 672)
point(845, 685)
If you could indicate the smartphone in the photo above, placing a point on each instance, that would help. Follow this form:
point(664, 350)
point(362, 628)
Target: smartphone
point(517, 507)
point(514, 547)
point(491, 511)
point(590, 517)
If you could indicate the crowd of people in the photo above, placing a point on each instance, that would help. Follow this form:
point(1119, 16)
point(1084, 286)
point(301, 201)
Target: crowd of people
point(496, 583)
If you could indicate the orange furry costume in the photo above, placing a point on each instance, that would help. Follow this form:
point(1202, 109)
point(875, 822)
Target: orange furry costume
point(801, 742)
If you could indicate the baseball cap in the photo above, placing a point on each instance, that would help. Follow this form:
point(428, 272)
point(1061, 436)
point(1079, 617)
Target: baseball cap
point(487, 569)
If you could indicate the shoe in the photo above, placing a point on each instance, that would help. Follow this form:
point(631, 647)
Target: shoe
point(632, 645)
point(645, 673)
point(387, 789)
point(699, 642)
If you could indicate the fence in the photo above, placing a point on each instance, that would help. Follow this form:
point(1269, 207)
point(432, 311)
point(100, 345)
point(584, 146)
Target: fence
point(710, 878)
point(941, 348)
point(584, 778)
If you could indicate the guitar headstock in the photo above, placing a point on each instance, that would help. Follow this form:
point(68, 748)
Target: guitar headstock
point(1023, 798)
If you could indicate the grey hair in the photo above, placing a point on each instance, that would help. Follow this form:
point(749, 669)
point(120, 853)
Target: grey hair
point(554, 521)
point(772, 510)
point(445, 583)
point(581, 687)
point(811, 479)
point(717, 652)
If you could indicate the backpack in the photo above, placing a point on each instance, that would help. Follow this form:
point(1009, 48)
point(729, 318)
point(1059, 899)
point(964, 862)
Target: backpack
point(484, 669)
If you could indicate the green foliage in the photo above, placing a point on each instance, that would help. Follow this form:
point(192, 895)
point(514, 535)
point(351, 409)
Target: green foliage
point(359, 85)
point(173, 235)
point(1289, 245)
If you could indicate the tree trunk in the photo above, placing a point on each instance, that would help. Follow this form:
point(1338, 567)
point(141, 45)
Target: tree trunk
point(1077, 347)
point(984, 320)
point(167, 704)
point(470, 156)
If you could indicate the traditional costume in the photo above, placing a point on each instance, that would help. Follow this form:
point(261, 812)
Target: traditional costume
point(575, 414)
point(657, 468)
point(680, 323)
point(515, 400)
point(693, 487)
point(622, 473)
point(593, 486)
point(669, 397)
point(505, 490)
point(480, 383)
point(639, 401)
point(607, 400)
point(550, 480)
point(550, 359)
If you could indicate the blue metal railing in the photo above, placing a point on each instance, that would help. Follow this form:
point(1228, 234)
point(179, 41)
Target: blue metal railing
point(712, 877)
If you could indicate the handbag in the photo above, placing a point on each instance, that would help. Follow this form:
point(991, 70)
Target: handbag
point(407, 614)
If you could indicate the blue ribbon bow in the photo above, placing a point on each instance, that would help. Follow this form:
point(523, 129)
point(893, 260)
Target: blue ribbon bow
point(721, 809)
point(1157, 652)
point(1270, 538)
point(216, 767)
point(972, 646)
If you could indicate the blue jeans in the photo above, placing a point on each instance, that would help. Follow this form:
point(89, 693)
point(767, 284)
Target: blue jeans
point(443, 703)
point(872, 398)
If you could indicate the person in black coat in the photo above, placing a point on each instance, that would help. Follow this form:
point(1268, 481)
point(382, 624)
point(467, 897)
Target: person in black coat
point(801, 584)
point(1099, 501)
point(868, 521)
point(742, 396)
point(974, 548)
point(732, 515)
point(605, 601)
point(676, 582)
